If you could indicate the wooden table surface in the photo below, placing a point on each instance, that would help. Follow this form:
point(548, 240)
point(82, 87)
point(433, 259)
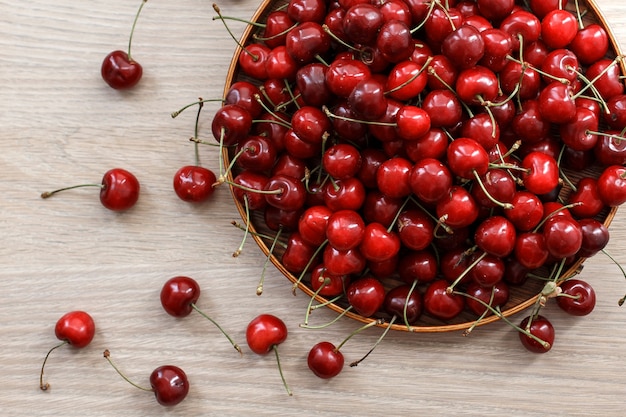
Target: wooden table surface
point(61, 125)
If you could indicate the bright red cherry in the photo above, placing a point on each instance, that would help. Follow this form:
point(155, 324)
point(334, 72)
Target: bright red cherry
point(366, 295)
point(439, 303)
point(75, 328)
point(194, 183)
point(264, 333)
point(119, 189)
point(577, 297)
point(541, 328)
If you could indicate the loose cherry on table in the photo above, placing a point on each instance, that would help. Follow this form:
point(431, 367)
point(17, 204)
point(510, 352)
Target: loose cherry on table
point(75, 328)
point(263, 334)
point(178, 298)
point(119, 189)
point(119, 69)
point(169, 383)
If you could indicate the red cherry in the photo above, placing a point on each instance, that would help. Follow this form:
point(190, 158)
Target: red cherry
point(441, 304)
point(75, 328)
point(170, 385)
point(595, 237)
point(345, 229)
point(558, 28)
point(542, 173)
point(327, 284)
point(496, 236)
point(541, 328)
point(179, 295)
point(457, 209)
point(119, 70)
point(403, 301)
point(366, 295)
point(119, 189)
point(563, 236)
point(590, 44)
point(577, 297)
point(312, 224)
point(496, 296)
point(325, 360)
point(612, 185)
point(194, 183)
point(264, 333)
point(378, 243)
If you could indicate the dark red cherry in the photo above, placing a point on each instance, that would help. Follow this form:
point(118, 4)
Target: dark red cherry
point(595, 237)
point(441, 304)
point(495, 296)
point(541, 328)
point(170, 385)
point(120, 71)
point(577, 298)
point(325, 360)
point(178, 295)
point(404, 301)
point(366, 295)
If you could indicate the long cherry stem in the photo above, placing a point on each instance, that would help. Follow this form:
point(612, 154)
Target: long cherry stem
point(206, 316)
point(42, 386)
point(107, 355)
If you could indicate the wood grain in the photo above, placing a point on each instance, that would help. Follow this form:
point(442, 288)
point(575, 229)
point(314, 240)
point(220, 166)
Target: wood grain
point(62, 125)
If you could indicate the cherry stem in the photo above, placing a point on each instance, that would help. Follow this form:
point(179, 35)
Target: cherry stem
point(221, 18)
point(450, 288)
point(195, 134)
point(619, 137)
point(257, 97)
point(410, 80)
point(46, 386)
point(338, 39)
point(261, 38)
point(350, 119)
point(326, 281)
point(48, 194)
point(482, 316)
point(393, 319)
point(565, 207)
point(247, 229)
point(359, 330)
point(621, 268)
point(498, 313)
point(428, 13)
point(107, 355)
point(506, 206)
point(326, 302)
point(259, 288)
point(322, 326)
point(206, 316)
point(307, 266)
point(200, 101)
point(261, 235)
point(280, 370)
point(132, 30)
point(562, 173)
point(406, 305)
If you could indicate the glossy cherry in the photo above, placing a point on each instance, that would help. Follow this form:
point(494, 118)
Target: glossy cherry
point(179, 296)
point(577, 297)
point(325, 360)
point(119, 189)
point(440, 304)
point(194, 183)
point(76, 328)
point(169, 383)
point(366, 295)
point(119, 69)
point(263, 334)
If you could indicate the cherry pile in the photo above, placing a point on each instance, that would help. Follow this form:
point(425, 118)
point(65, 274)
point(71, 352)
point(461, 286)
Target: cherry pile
point(428, 162)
